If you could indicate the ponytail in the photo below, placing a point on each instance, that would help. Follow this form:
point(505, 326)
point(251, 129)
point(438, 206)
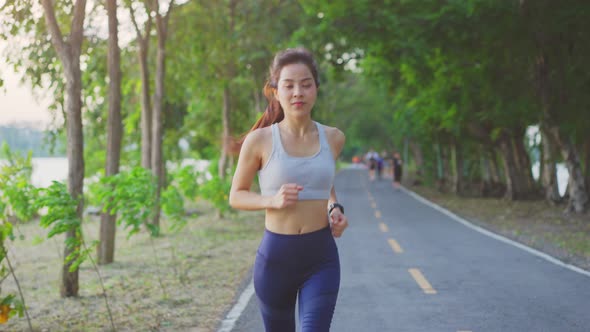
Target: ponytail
point(272, 114)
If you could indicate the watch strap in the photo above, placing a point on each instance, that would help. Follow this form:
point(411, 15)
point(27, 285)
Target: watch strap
point(335, 205)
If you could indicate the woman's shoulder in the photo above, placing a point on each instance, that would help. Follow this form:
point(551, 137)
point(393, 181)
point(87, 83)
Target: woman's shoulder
point(333, 133)
point(259, 134)
point(335, 136)
point(257, 140)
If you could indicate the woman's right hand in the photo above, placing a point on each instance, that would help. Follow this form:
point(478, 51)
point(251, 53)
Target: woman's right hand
point(287, 195)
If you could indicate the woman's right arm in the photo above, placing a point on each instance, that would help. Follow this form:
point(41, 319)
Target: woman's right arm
point(249, 162)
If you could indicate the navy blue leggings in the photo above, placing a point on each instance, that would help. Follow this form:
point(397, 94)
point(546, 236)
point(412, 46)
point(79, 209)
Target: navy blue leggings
point(304, 265)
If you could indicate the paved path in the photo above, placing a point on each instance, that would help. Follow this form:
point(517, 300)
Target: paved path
point(407, 266)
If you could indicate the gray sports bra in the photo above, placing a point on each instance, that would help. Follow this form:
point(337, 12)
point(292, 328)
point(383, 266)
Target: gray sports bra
point(315, 173)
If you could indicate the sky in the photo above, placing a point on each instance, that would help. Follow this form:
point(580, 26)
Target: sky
point(17, 103)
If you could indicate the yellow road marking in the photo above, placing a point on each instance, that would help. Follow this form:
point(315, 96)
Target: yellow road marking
point(383, 227)
point(373, 205)
point(422, 282)
point(378, 214)
point(395, 246)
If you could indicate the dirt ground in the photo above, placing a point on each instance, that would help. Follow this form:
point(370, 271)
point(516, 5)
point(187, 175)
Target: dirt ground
point(181, 281)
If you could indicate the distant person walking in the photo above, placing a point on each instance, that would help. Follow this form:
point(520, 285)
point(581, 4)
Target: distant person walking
point(380, 165)
point(294, 157)
point(372, 158)
point(386, 164)
point(397, 170)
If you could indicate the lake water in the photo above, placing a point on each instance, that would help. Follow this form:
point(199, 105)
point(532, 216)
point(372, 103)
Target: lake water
point(47, 170)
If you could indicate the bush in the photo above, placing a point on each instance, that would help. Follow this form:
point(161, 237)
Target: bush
point(216, 189)
point(131, 194)
point(17, 193)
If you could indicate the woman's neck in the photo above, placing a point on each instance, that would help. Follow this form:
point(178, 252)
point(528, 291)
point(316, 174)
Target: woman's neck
point(298, 127)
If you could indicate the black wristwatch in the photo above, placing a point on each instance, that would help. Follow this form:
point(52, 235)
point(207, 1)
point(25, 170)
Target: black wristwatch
point(335, 205)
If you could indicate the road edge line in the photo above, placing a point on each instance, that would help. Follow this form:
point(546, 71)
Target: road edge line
point(496, 236)
point(229, 322)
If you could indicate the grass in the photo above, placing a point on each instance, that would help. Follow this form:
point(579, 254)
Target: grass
point(201, 268)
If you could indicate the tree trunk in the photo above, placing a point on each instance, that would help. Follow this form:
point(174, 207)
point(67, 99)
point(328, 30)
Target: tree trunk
point(519, 178)
point(578, 201)
point(541, 164)
point(69, 53)
point(229, 74)
point(549, 174)
point(158, 111)
point(513, 183)
point(417, 154)
point(457, 161)
point(494, 167)
point(222, 167)
point(497, 185)
point(75, 152)
point(486, 176)
point(444, 170)
point(578, 196)
point(143, 43)
point(523, 161)
point(439, 167)
point(108, 221)
point(418, 157)
point(587, 163)
point(257, 100)
point(146, 107)
point(447, 166)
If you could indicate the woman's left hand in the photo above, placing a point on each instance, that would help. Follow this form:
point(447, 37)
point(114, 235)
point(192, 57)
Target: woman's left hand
point(338, 222)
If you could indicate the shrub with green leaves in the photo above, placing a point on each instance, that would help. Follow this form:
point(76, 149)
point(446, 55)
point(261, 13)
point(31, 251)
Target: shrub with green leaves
point(215, 189)
point(131, 195)
point(10, 305)
point(172, 204)
point(186, 179)
point(17, 196)
point(17, 193)
point(183, 187)
point(61, 217)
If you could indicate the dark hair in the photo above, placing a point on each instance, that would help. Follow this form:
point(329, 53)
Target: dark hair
point(274, 112)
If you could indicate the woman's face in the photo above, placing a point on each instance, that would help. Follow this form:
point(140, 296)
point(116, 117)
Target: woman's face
point(296, 89)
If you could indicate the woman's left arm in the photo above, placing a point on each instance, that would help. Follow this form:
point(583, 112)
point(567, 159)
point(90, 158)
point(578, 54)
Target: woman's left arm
point(338, 221)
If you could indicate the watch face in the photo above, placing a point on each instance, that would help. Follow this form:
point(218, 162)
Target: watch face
point(336, 205)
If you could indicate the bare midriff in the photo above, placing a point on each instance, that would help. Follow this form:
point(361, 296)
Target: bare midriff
point(303, 217)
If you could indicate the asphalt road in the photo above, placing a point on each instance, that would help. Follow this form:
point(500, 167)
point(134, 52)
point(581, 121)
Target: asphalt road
point(407, 266)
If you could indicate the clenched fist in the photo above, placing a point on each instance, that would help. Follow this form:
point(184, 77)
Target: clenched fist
point(287, 195)
point(338, 222)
